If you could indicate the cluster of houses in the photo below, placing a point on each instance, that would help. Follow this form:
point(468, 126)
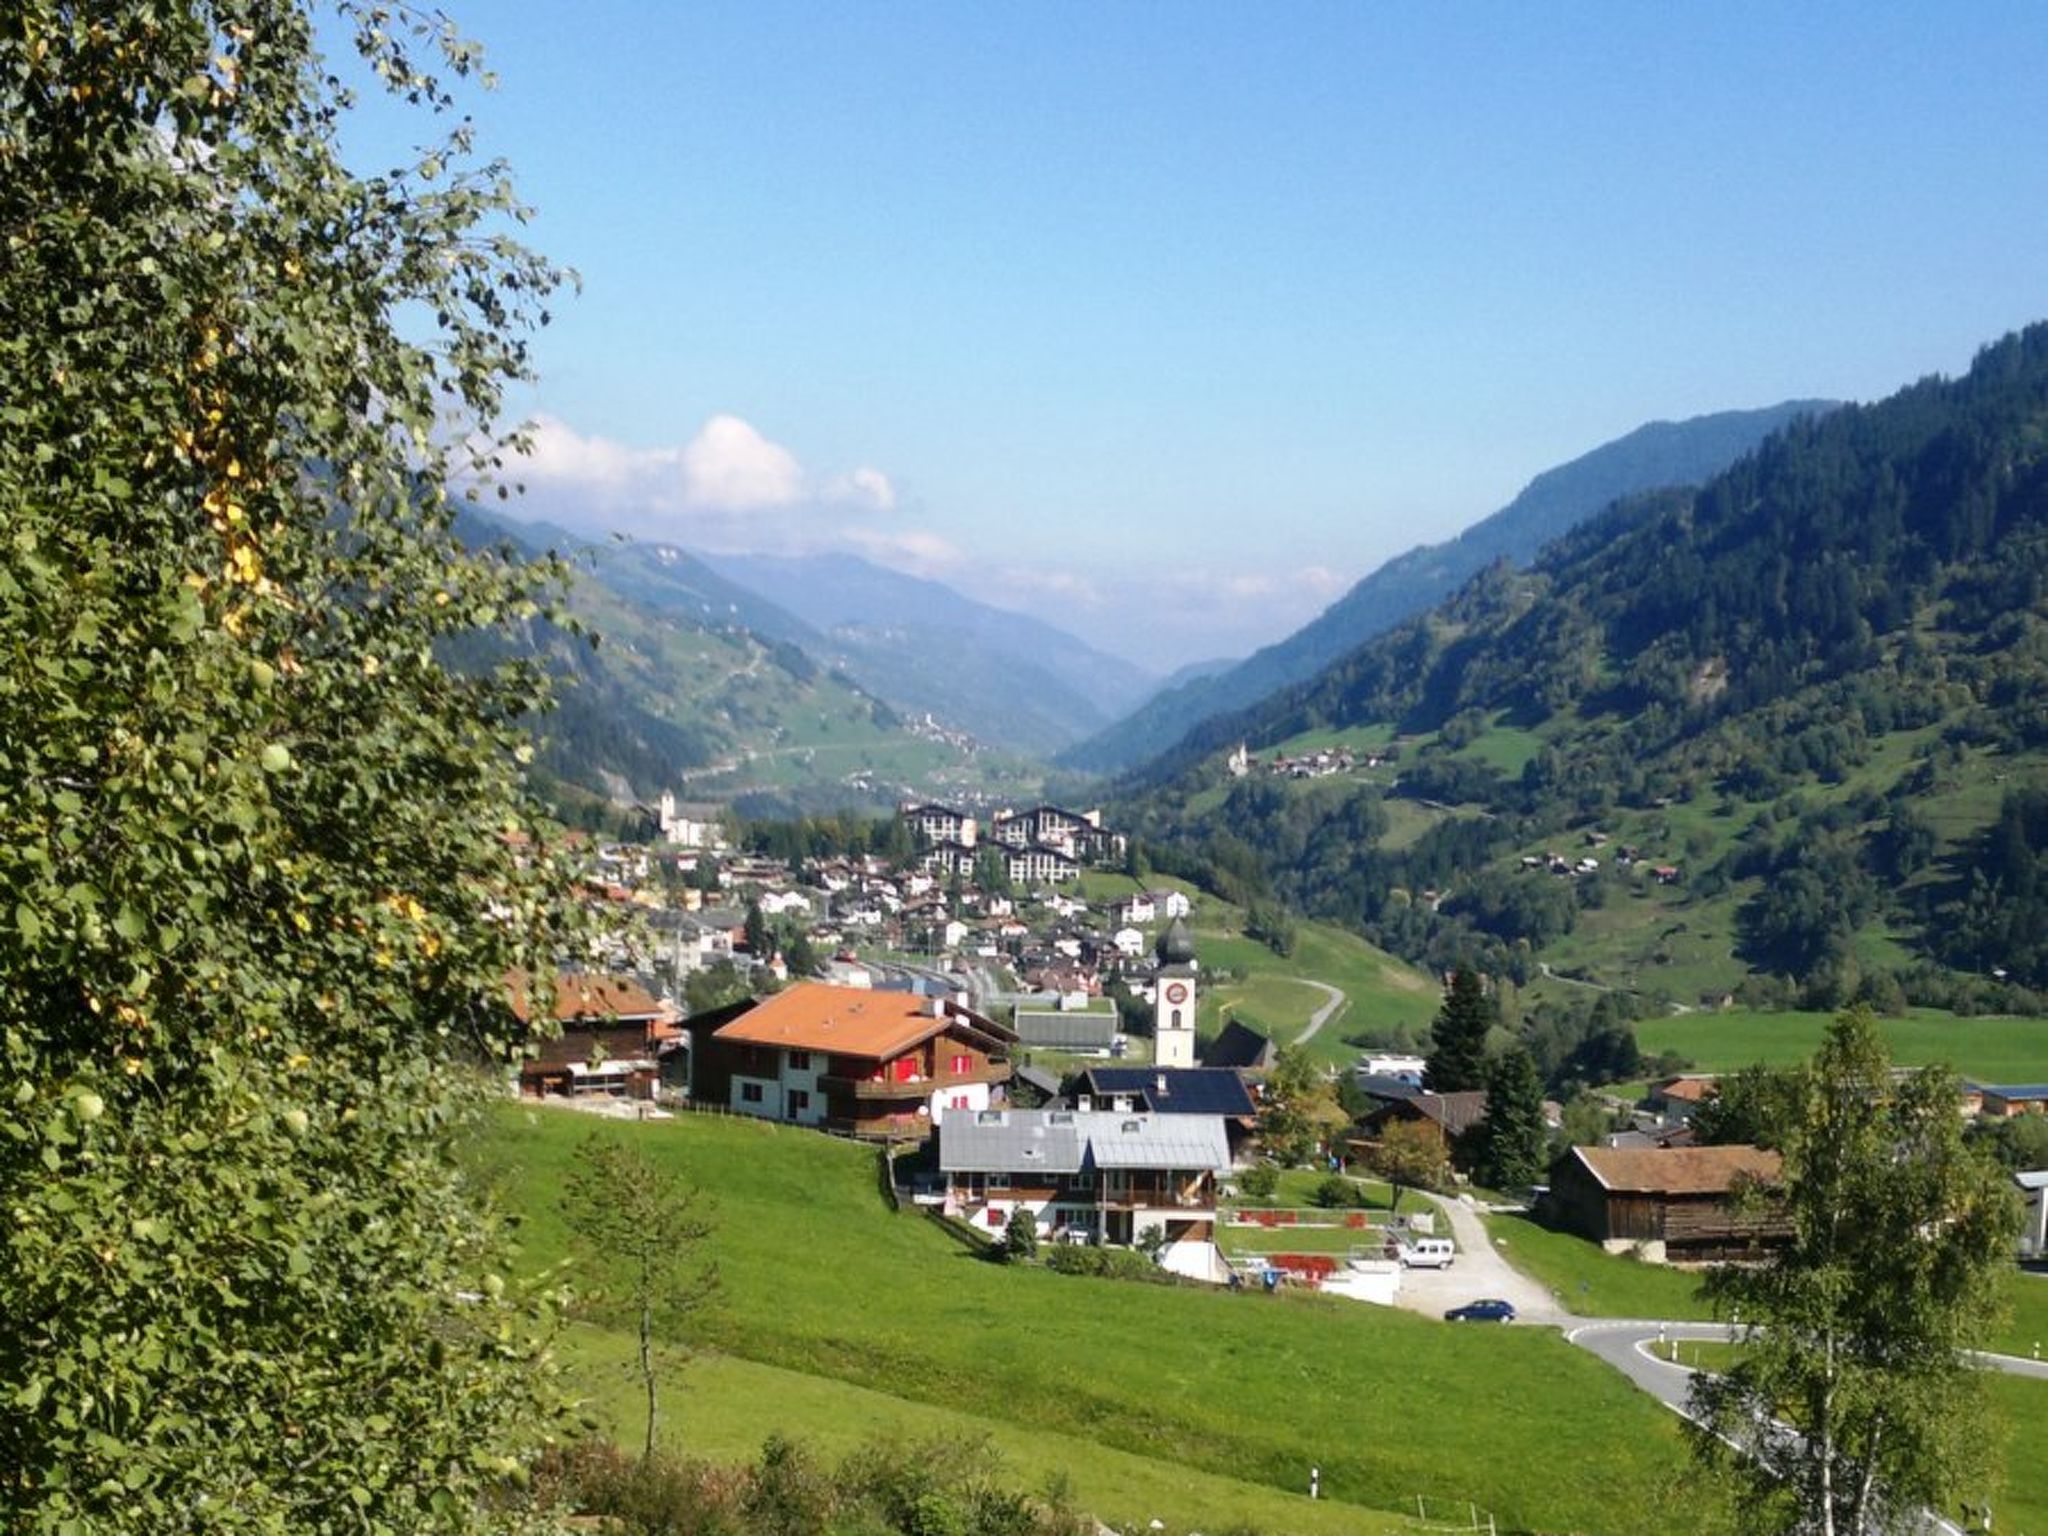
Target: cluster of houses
point(1318, 764)
point(1045, 844)
point(1626, 856)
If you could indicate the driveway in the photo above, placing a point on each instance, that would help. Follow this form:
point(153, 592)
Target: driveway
point(1479, 1272)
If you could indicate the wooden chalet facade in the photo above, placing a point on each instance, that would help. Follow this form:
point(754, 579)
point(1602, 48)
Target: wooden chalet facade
point(1672, 1204)
point(612, 1034)
point(886, 1065)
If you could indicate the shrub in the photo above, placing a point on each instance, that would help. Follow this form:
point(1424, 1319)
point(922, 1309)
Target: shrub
point(1258, 1181)
point(1336, 1193)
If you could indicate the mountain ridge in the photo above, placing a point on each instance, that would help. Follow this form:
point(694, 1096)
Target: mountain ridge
point(1807, 702)
point(1652, 456)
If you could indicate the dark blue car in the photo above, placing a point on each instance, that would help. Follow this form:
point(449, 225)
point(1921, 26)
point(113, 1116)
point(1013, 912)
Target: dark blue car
point(1482, 1312)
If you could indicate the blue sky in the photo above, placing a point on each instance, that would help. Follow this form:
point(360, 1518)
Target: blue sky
point(1169, 321)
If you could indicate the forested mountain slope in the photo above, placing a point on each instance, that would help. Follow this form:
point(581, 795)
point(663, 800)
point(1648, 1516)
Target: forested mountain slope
point(681, 693)
point(1659, 454)
point(1809, 701)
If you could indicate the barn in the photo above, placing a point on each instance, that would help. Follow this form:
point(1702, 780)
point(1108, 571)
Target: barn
point(1671, 1204)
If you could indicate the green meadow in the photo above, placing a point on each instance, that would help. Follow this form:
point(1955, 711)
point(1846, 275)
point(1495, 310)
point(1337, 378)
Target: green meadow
point(1995, 1050)
point(1192, 1406)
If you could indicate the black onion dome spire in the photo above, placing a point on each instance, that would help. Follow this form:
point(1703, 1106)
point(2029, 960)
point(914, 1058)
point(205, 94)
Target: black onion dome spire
point(1176, 945)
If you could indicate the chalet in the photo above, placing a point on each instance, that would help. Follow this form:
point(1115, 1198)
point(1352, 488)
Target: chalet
point(1137, 909)
point(1171, 1091)
point(1170, 904)
point(1679, 1098)
point(1450, 1115)
point(862, 1062)
point(1675, 1204)
point(612, 1033)
point(1092, 1177)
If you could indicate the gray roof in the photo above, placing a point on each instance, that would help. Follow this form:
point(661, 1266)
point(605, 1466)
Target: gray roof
point(1009, 1141)
point(1066, 1141)
point(1156, 1141)
point(1057, 1030)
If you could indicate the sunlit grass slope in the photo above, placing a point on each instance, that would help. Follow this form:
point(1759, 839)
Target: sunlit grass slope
point(823, 1281)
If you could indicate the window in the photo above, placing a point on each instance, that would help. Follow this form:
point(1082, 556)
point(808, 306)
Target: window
point(799, 1061)
point(1174, 1021)
point(798, 1100)
point(962, 1063)
point(750, 1093)
point(959, 1101)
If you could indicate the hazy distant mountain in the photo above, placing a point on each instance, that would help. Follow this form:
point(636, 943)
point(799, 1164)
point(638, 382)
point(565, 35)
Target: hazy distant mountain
point(1007, 678)
point(703, 687)
point(1652, 457)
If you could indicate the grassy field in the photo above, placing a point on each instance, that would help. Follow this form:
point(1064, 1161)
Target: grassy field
point(1996, 1050)
point(1382, 996)
point(824, 1282)
point(1589, 1281)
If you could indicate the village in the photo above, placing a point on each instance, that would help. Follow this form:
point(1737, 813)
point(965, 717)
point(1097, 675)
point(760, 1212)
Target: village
point(1033, 1060)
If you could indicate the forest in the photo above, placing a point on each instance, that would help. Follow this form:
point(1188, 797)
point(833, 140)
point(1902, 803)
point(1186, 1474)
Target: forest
point(1820, 681)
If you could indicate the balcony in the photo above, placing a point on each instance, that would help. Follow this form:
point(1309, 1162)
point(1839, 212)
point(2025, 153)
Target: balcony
point(868, 1088)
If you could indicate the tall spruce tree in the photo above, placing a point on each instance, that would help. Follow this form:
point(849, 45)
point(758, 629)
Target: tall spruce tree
point(1457, 1037)
point(265, 863)
point(1856, 1329)
point(1512, 1139)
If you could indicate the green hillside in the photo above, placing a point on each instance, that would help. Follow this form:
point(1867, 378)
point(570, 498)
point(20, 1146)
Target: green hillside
point(1659, 453)
point(1179, 1403)
point(1798, 720)
point(1382, 997)
point(682, 695)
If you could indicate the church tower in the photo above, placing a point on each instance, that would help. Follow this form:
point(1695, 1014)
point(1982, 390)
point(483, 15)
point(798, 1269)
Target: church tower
point(1173, 998)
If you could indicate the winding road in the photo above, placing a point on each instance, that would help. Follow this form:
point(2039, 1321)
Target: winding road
point(1322, 1015)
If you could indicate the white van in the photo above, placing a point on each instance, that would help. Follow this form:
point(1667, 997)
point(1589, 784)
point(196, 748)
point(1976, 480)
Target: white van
point(1427, 1253)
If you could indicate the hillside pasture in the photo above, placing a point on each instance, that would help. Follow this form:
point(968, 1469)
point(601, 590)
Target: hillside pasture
point(823, 1280)
point(1992, 1050)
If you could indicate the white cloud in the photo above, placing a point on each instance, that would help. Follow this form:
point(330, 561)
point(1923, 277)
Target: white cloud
point(730, 487)
point(730, 467)
point(866, 486)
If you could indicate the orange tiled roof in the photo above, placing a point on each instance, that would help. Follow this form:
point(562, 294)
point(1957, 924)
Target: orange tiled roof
point(579, 995)
point(1677, 1170)
point(1695, 1090)
point(853, 1021)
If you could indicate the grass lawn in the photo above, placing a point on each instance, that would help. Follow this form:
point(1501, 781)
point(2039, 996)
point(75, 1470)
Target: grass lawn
point(722, 1408)
point(2025, 1329)
point(822, 1280)
point(1995, 1050)
point(1588, 1280)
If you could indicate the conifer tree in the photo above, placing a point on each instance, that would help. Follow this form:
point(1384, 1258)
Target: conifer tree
point(1512, 1139)
point(1457, 1037)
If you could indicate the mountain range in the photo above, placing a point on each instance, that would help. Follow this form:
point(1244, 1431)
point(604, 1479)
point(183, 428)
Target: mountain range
point(1785, 731)
point(1659, 454)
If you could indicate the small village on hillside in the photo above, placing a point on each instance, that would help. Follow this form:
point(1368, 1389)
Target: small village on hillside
point(1032, 1060)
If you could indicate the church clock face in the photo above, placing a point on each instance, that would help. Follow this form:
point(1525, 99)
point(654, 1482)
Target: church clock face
point(1176, 992)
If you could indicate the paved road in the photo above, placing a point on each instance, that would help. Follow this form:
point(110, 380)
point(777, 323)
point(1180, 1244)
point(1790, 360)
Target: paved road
point(1627, 1345)
point(1322, 1015)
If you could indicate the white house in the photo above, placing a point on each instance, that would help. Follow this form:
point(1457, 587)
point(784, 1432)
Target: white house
point(1129, 942)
